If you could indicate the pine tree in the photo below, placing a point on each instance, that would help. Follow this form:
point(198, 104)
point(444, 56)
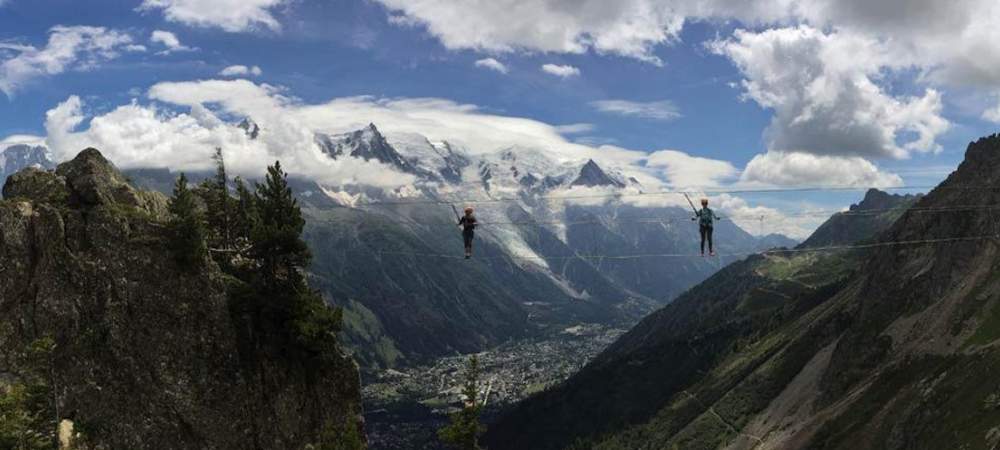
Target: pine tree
point(281, 256)
point(246, 216)
point(276, 239)
point(187, 233)
point(464, 430)
point(220, 203)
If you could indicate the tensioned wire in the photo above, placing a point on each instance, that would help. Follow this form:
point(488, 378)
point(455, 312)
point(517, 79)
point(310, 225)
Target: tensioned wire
point(677, 192)
point(690, 255)
point(748, 217)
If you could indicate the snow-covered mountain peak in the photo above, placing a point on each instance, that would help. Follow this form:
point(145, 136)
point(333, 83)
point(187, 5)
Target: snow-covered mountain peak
point(592, 175)
point(20, 156)
point(367, 143)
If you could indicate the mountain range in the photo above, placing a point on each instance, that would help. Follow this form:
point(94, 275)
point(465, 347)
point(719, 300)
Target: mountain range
point(15, 158)
point(889, 344)
point(390, 258)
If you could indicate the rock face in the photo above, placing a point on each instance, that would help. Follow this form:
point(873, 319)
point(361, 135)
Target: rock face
point(894, 347)
point(367, 144)
point(147, 354)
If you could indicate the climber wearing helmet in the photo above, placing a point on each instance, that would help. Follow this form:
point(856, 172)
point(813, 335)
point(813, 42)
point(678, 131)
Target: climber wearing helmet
point(468, 225)
point(706, 223)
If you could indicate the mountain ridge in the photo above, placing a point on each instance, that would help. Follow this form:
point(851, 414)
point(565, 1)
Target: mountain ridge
point(536, 265)
point(886, 348)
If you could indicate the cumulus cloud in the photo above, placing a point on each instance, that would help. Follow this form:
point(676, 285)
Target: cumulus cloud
point(170, 41)
point(562, 71)
point(761, 220)
point(797, 169)
point(492, 64)
point(628, 28)
point(229, 15)
point(140, 135)
point(186, 121)
point(462, 124)
point(241, 71)
point(68, 48)
point(136, 135)
point(993, 114)
point(821, 87)
point(684, 170)
point(953, 43)
point(659, 110)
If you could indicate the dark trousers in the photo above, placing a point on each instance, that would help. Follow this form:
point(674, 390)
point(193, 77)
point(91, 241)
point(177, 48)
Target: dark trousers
point(467, 237)
point(706, 234)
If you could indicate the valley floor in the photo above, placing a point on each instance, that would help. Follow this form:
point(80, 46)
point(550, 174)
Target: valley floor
point(405, 408)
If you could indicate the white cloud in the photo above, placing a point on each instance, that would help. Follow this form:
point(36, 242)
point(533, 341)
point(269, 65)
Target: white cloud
point(938, 31)
point(562, 71)
point(68, 48)
point(170, 41)
point(289, 126)
point(950, 43)
point(241, 70)
point(684, 170)
point(492, 64)
point(660, 110)
point(627, 27)
point(229, 15)
point(137, 135)
point(575, 128)
point(462, 124)
point(822, 89)
point(152, 135)
point(993, 114)
point(19, 139)
point(798, 223)
point(798, 169)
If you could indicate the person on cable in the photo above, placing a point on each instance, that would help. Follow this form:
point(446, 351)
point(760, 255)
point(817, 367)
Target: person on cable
point(706, 224)
point(468, 225)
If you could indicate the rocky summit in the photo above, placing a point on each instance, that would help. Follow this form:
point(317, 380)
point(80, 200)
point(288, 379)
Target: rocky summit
point(143, 353)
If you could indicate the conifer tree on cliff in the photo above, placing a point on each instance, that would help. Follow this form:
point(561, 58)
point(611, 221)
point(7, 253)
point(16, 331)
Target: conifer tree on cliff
point(246, 215)
point(187, 233)
point(220, 204)
point(282, 256)
point(277, 242)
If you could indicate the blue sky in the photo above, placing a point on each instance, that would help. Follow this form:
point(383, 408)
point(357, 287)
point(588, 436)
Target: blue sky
point(347, 48)
point(816, 93)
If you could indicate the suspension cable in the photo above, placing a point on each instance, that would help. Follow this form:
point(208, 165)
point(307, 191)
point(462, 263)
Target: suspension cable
point(832, 248)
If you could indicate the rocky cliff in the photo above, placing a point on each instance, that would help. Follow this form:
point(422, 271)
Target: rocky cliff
point(892, 347)
point(873, 214)
point(146, 353)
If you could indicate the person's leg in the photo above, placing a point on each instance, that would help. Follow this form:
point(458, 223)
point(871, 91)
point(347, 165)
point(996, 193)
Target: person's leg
point(702, 230)
point(467, 236)
point(711, 248)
